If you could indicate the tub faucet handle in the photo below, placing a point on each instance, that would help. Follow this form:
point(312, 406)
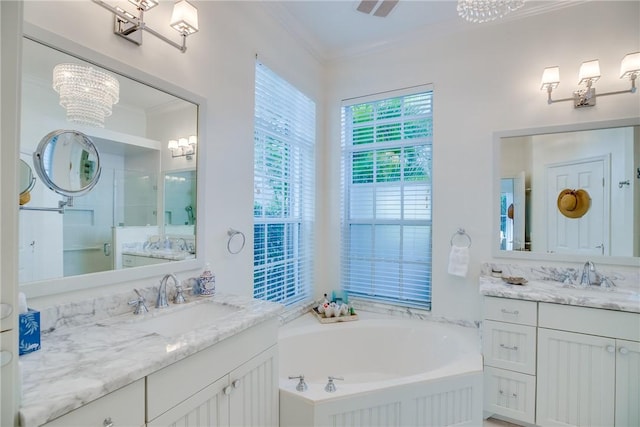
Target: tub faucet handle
point(331, 386)
point(301, 386)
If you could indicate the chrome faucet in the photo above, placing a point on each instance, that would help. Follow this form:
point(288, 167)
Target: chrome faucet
point(588, 268)
point(331, 386)
point(162, 300)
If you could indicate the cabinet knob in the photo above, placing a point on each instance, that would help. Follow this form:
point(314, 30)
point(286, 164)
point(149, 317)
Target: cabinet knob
point(624, 350)
point(107, 422)
point(227, 390)
point(611, 349)
point(236, 383)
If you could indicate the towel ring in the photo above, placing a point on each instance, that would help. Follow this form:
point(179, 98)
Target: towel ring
point(463, 234)
point(233, 234)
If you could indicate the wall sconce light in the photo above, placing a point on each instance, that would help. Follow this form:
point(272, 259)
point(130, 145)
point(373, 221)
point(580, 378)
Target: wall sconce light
point(183, 147)
point(184, 20)
point(588, 75)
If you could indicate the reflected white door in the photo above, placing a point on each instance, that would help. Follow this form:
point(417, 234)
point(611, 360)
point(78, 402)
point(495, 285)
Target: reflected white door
point(588, 235)
point(518, 211)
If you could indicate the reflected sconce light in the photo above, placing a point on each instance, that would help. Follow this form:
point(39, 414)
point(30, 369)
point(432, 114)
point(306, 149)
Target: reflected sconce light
point(590, 73)
point(86, 93)
point(184, 20)
point(183, 147)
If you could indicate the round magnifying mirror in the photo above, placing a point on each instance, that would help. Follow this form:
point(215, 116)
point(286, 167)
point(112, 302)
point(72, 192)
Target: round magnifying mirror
point(26, 182)
point(68, 162)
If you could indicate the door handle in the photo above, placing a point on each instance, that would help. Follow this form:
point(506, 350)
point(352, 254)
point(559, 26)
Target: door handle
point(107, 249)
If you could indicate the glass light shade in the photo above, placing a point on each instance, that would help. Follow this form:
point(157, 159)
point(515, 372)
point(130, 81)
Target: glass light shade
point(193, 140)
point(173, 144)
point(184, 18)
point(478, 11)
point(589, 71)
point(183, 142)
point(550, 78)
point(144, 4)
point(630, 65)
point(86, 93)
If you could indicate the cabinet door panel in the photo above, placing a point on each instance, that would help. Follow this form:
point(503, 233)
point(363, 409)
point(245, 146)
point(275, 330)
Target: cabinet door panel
point(576, 375)
point(255, 391)
point(627, 383)
point(207, 408)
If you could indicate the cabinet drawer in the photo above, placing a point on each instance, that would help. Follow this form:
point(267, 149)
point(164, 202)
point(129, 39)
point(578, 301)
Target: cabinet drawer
point(509, 346)
point(511, 310)
point(591, 321)
point(124, 407)
point(510, 394)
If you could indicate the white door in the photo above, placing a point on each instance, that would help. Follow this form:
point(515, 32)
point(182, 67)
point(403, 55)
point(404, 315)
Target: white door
point(576, 379)
point(627, 384)
point(588, 235)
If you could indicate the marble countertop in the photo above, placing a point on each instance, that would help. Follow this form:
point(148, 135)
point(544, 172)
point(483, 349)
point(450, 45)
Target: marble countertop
point(81, 363)
point(620, 298)
point(162, 254)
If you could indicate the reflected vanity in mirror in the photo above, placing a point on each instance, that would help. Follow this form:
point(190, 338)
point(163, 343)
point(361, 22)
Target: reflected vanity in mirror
point(120, 179)
point(536, 169)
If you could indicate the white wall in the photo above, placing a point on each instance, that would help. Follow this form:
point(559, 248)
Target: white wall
point(485, 80)
point(219, 66)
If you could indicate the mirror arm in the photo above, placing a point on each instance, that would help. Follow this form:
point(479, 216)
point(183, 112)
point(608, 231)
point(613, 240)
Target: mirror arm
point(60, 209)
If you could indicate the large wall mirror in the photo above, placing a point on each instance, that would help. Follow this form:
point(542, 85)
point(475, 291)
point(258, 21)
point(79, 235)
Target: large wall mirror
point(569, 192)
point(143, 209)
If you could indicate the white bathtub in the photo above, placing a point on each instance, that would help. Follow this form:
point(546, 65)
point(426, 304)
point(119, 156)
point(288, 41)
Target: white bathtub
point(397, 372)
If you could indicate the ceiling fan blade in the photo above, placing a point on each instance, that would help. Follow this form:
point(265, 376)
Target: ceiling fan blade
point(366, 6)
point(385, 8)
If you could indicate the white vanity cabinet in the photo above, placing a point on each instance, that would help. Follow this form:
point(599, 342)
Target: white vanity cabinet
point(509, 350)
point(588, 367)
point(123, 407)
point(234, 382)
point(129, 261)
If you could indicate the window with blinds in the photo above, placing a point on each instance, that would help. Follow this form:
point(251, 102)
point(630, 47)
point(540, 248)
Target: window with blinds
point(386, 197)
point(284, 189)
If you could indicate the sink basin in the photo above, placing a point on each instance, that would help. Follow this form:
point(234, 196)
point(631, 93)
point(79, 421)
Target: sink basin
point(179, 320)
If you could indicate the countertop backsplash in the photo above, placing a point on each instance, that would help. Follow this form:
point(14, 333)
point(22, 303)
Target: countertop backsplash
point(568, 275)
point(95, 309)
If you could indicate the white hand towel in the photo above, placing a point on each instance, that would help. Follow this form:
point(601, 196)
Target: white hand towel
point(459, 261)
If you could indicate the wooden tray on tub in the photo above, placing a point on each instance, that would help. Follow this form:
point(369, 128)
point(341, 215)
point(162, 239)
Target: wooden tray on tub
point(322, 319)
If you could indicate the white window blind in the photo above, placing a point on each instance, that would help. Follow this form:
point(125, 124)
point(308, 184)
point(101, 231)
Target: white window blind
point(284, 189)
point(386, 197)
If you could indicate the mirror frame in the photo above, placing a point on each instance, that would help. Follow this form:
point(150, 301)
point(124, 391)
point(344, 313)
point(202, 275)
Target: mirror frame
point(495, 208)
point(115, 277)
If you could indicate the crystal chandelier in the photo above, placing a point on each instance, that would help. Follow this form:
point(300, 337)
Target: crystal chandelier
point(478, 11)
point(86, 93)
